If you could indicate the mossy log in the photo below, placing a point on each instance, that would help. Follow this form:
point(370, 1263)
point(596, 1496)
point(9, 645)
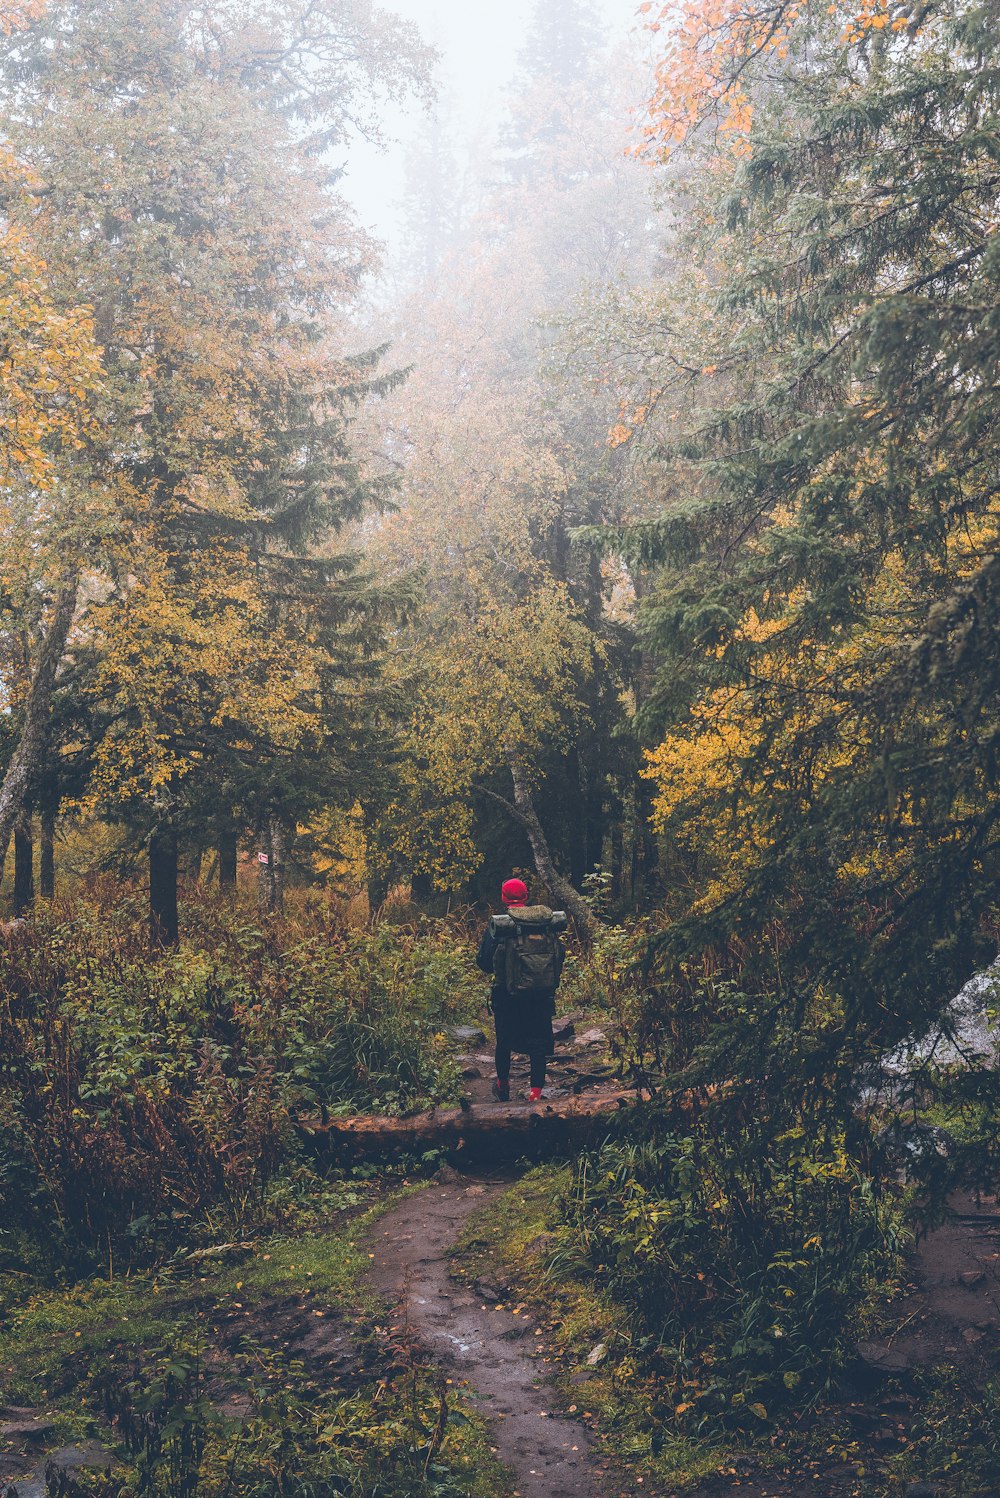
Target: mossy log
point(482, 1130)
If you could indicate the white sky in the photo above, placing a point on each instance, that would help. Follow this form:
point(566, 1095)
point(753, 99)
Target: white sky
point(479, 41)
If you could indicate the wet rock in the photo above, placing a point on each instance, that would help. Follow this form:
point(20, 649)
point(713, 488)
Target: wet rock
point(70, 1459)
point(467, 1035)
point(26, 1432)
point(911, 1143)
point(11, 1467)
point(88, 1454)
point(487, 1290)
point(970, 1278)
point(879, 1356)
point(33, 1486)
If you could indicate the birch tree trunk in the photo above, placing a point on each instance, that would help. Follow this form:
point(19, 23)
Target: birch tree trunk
point(561, 888)
point(279, 846)
point(272, 873)
point(27, 758)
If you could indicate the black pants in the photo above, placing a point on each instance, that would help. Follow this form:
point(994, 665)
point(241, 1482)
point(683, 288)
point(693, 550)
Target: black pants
point(537, 1062)
point(523, 1024)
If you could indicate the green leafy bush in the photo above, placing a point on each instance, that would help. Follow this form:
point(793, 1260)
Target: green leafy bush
point(737, 1251)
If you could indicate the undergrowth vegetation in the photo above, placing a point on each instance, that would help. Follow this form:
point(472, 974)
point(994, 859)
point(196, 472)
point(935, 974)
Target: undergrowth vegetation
point(737, 1263)
point(137, 1093)
point(169, 1244)
point(256, 1369)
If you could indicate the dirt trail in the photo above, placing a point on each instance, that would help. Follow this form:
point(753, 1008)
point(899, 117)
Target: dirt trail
point(490, 1349)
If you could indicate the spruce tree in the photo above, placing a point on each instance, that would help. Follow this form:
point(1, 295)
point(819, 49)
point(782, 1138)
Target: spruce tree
point(825, 599)
point(186, 200)
point(563, 41)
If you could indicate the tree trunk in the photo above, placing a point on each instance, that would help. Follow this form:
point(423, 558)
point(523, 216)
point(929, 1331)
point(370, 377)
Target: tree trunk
point(24, 862)
point(227, 862)
point(26, 759)
point(378, 893)
point(617, 855)
point(497, 1131)
point(575, 791)
point(47, 856)
point(272, 873)
point(163, 923)
point(546, 869)
point(279, 853)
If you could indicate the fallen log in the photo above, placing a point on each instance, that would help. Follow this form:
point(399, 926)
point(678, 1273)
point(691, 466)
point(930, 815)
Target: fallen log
point(481, 1131)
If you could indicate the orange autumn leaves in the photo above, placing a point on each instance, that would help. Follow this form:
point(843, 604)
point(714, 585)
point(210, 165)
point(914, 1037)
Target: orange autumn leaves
point(16, 14)
point(710, 46)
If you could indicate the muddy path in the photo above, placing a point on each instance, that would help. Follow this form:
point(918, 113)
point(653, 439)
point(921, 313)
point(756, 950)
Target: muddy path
point(491, 1350)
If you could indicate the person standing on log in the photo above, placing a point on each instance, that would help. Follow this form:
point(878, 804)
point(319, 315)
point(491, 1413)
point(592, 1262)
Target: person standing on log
point(524, 956)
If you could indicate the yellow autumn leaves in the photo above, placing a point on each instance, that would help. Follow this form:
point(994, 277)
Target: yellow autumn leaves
point(517, 677)
point(798, 721)
point(49, 365)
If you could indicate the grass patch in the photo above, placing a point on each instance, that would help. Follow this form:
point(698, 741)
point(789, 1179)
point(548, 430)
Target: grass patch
point(954, 1438)
point(253, 1369)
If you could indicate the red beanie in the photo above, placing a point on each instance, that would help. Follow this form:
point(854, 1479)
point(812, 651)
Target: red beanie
point(514, 892)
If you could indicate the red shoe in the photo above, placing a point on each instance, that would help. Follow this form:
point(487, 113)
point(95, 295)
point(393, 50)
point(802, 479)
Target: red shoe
point(501, 1091)
point(535, 1095)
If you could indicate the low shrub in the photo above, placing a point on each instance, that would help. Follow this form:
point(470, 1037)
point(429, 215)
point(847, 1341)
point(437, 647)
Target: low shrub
point(137, 1091)
point(737, 1247)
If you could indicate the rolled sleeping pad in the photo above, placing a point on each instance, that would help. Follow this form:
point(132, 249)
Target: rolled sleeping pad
point(503, 925)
